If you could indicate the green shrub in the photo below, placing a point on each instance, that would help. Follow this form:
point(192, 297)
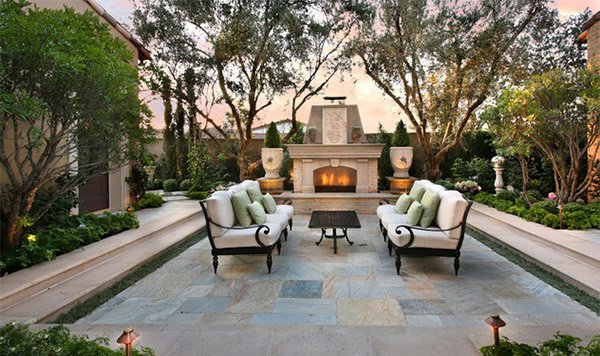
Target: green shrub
point(156, 184)
point(446, 184)
point(551, 220)
point(61, 208)
point(577, 220)
point(535, 214)
point(548, 205)
point(185, 184)
point(595, 220)
point(149, 200)
point(485, 198)
point(170, 185)
point(17, 339)
point(196, 195)
point(272, 138)
point(507, 195)
point(560, 345)
point(517, 210)
point(45, 244)
point(400, 138)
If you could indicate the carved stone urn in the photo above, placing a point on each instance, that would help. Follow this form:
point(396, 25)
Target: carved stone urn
point(401, 158)
point(272, 158)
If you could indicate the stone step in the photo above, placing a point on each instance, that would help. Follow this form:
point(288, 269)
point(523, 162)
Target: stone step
point(23, 284)
point(58, 298)
point(578, 269)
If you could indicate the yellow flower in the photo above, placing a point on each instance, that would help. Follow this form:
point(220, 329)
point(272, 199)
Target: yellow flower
point(31, 238)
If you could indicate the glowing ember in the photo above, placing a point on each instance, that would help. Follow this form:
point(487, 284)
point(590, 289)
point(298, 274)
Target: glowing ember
point(331, 179)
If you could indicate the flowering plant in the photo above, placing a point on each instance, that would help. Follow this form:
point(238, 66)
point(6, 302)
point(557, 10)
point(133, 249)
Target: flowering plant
point(552, 196)
point(468, 186)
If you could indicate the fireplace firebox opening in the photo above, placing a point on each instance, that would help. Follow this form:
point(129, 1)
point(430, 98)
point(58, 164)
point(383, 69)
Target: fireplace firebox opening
point(335, 180)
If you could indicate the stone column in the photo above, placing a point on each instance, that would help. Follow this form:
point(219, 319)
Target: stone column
point(498, 162)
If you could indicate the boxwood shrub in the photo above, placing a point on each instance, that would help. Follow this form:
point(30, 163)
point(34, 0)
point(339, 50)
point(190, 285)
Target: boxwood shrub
point(185, 184)
point(170, 185)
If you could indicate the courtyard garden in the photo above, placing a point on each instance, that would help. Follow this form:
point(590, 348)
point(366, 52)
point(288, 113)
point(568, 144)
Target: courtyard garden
point(142, 163)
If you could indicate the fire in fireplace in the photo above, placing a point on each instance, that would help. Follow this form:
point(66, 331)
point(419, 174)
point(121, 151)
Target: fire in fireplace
point(334, 179)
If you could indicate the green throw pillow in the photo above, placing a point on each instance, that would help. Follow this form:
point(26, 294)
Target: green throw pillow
point(414, 213)
point(240, 202)
point(254, 194)
point(269, 203)
point(416, 192)
point(403, 203)
point(430, 202)
point(258, 212)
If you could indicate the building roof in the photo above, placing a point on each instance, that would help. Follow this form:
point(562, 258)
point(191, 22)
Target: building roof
point(143, 53)
point(582, 38)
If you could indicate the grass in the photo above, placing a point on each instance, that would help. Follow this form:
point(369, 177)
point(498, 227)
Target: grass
point(82, 309)
point(572, 291)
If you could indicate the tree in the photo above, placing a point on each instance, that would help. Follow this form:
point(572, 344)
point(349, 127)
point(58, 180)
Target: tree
point(558, 114)
point(246, 53)
point(169, 129)
point(181, 145)
point(440, 61)
point(68, 106)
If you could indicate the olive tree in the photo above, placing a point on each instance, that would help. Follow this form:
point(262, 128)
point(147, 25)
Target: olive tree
point(68, 106)
point(440, 60)
point(244, 55)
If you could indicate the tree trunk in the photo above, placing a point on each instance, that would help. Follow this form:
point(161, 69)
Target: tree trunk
point(525, 173)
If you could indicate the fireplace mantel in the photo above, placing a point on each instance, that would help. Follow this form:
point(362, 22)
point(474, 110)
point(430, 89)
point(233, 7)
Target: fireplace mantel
point(361, 157)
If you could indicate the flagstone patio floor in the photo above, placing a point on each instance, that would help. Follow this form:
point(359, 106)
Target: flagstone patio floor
point(357, 288)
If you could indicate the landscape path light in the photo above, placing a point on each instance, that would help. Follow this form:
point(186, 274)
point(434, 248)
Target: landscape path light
point(127, 338)
point(496, 323)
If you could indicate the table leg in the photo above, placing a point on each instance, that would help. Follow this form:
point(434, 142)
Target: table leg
point(334, 241)
point(322, 235)
point(346, 236)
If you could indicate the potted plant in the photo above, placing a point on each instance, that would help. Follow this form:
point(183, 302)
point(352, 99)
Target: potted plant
point(272, 152)
point(401, 152)
point(311, 134)
point(356, 134)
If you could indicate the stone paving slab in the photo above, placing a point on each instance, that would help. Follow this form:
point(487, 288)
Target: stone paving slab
point(357, 289)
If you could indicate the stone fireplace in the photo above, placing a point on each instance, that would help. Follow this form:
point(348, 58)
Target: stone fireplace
point(335, 159)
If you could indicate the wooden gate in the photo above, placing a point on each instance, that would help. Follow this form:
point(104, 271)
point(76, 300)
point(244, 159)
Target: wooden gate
point(93, 195)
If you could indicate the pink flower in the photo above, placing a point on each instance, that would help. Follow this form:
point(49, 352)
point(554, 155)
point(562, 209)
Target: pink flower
point(552, 196)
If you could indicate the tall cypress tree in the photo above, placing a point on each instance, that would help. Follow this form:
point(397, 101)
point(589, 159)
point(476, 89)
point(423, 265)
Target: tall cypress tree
point(181, 143)
point(168, 130)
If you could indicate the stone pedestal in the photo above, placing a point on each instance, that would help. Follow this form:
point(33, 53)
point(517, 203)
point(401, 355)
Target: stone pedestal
point(271, 185)
point(400, 185)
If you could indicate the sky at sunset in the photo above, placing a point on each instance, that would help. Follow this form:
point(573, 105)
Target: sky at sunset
point(373, 105)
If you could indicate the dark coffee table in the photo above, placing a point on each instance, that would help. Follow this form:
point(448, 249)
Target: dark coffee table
point(346, 219)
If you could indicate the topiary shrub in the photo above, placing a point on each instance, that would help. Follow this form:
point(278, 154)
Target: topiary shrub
point(272, 138)
point(507, 195)
point(196, 195)
point(400, 138)
point(185, 184)
point(170, 185)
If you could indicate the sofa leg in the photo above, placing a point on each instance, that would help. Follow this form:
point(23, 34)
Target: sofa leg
point(279, 247)
point(215, 262)
point(384, 233)
point(269, 261)
point(398, 263)
point(390, 247)
point(291, 222)
point(456, 265)
point(285, 233)
point(380, 225)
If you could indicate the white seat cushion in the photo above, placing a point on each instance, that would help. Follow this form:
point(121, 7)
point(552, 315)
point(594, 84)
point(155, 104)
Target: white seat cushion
point(280, 219)
point(393, 219)
point(385, 209)
point(236, 189)
point(220, 211)
point(451, 212)
point(425, 239)
point(288, 210)
point(250, 184)
point(245, 237)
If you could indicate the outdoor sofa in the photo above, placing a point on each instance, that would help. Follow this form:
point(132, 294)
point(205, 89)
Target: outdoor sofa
point(443, 238)
point(228, 237)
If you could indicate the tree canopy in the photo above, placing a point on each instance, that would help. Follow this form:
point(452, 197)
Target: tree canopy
point(439, 61)
point(245, 54)
point(68, 105)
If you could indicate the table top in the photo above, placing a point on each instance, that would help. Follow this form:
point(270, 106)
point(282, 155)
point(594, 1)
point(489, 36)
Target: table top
point(342, 219)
